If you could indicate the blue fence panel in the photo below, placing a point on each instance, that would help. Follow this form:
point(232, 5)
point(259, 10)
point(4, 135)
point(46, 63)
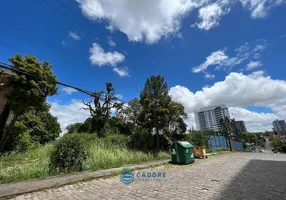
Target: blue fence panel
point(215, 142)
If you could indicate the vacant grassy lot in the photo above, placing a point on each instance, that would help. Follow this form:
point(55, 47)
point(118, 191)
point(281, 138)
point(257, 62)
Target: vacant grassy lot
point(35, 163)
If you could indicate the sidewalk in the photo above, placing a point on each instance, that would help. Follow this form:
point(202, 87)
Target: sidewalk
point(18, 188)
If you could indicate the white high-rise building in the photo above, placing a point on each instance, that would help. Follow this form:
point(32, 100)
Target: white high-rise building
point(208, 118)
point(279, 125)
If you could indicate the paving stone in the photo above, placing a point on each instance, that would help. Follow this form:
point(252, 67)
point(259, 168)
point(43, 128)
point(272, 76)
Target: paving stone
point(229, 176)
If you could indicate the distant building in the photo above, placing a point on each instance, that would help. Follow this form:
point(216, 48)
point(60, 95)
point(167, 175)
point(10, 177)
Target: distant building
point(208, 118)
point(279, 125)
point(240, 125)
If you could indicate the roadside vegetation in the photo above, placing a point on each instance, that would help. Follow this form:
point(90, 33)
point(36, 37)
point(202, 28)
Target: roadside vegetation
point(115, 134)
point(279, 144)
point(101, 154)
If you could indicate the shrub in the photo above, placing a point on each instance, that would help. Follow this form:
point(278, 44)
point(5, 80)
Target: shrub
point(69, 153)
point(275, 142)
point(143, 141)
point(283, 148)
point(115, 140)
point(24, 142)
point(197, 138)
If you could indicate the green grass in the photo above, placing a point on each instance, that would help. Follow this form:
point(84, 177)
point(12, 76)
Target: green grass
point(23, 166)
point(35, 163)
point(101, 157)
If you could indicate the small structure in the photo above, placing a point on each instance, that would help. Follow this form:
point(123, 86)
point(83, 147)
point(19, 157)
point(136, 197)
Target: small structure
point(200, 152)
point(182, 152)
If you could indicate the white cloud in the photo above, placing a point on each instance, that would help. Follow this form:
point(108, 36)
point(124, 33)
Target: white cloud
point(254, 121)
point(216, 58)
point(151, 20)
point(253, 65)
point(111, 42)
point(74, 35)
point(147, 20)
point(260, 8)
point(69, 113)
point(239, 90)
point(69, 90)
point(100, 58)
point(119, 96)
point(209, 76)
point(209, 15)
point(219, 58)
point(122, 72)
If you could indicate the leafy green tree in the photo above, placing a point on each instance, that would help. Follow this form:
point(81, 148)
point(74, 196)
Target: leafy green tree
point(276, 142)
point(32, 83)
point(176, 117)
point(155, 101)
point(85, 127)
point(198, 138)
point(34, 128)
point(100, 108)
point(115, 125)
point(130, 113)
point(227, 129)
point(74, 128)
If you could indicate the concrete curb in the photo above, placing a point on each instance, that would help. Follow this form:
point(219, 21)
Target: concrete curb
point(18, 188)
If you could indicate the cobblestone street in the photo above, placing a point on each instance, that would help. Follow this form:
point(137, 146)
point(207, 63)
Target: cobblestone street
point(227, 176)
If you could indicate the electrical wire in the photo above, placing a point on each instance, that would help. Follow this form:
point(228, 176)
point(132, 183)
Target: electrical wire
point(9, 67)
point(63, 14)
point(2, 43)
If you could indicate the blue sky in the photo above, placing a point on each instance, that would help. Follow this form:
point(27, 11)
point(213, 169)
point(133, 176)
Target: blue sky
point(210, 52)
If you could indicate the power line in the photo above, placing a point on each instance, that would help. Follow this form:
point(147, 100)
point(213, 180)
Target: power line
point(35, 38)
point(9, 67)
point(13, 36)
point(63, 14)
point(39, 39)
point(2, 43)
point(64, 5)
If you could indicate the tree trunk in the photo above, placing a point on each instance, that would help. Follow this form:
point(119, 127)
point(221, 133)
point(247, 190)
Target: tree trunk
point(229, 142)
point(3, 119)
point(158, 139)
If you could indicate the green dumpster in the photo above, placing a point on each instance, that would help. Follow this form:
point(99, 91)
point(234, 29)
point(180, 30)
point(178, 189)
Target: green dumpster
point(182, 152)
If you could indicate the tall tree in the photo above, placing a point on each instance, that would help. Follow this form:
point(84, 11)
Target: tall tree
point(176, 117)
point(130, 113)
point(226, 126)
point(155, 101)
point(100, 108)
point(31, 84)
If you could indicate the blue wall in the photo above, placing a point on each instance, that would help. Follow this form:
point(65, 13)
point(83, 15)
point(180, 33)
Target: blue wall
point(215, 142)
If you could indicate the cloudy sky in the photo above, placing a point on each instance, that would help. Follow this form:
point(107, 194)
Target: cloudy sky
point(210, 51)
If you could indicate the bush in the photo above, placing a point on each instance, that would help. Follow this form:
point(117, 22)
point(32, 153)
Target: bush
point(25, 142)
point(283, 148)
point(197, 138)
point(69, 152)
point(115, 140)
point(275, 142)
point(143, 141)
